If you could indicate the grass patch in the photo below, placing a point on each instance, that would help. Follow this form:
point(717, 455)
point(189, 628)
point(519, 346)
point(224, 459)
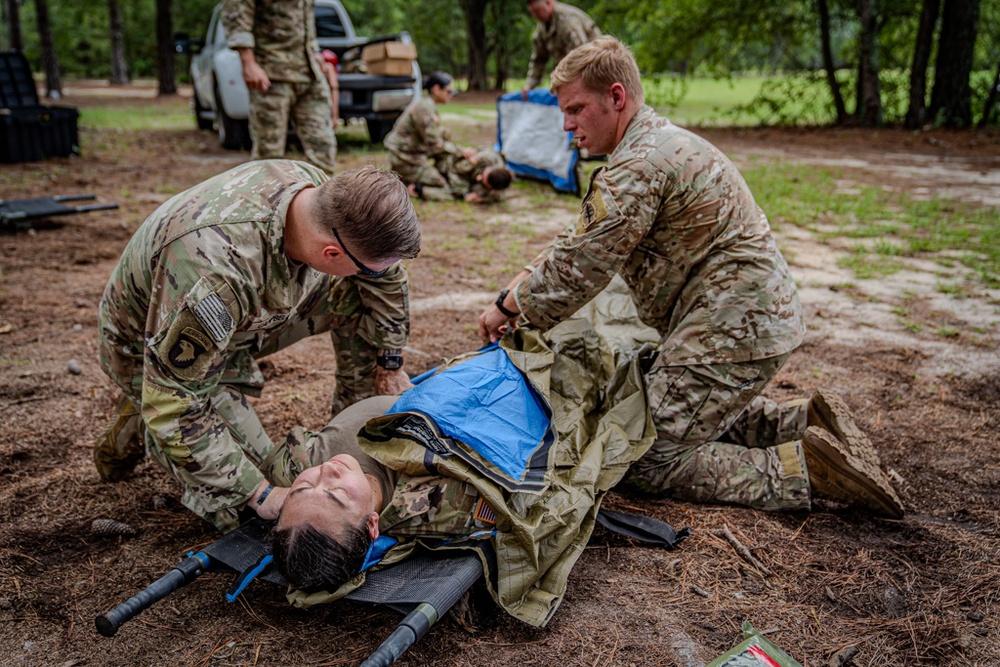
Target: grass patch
point(139, 116)
point(808, 197)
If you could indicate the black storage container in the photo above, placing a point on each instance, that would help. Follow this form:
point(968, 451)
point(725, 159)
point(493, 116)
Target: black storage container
point(28, 130)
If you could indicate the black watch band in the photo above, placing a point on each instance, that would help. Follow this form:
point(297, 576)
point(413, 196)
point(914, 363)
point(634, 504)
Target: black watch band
point(390, 360)
point(503, 309)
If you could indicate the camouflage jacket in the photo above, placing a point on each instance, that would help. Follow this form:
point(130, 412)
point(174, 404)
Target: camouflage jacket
point(673, 216)
point(282, 34)
point(202, 289)
point(418, 134)
point(569, 28)
point(541, 526)
point(468, 172)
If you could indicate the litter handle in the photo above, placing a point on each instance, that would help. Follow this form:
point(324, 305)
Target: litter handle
point(183, 573)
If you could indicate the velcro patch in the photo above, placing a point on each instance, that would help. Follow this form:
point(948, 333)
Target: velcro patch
point(593, 210)
point(215, 316)
point(485, 513)
point(186, 350)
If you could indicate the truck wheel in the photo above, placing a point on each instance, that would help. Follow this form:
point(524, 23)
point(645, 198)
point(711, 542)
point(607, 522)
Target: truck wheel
point(202, 115)
point(377, 129)
point(233, 134)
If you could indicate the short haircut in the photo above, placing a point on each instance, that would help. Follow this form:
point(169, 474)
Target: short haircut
point(598, 65)
point(437, 79)
point(371, 210)
point(499, 178)
point(313, 561)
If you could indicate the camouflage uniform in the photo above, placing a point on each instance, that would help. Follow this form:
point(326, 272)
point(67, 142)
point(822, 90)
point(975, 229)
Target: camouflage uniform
point(673, 216)
point(461, 176)
point(568, 28)
point(202, 290)
point(282, 34)
point(419, 147)
point(539, 527)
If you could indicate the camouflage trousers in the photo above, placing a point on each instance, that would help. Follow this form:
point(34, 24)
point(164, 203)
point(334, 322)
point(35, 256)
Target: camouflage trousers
point(437, 179)
point(309, 106)
point(718, 440)
point(337, 311)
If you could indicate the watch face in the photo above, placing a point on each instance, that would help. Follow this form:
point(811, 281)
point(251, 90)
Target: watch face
point(390, 362)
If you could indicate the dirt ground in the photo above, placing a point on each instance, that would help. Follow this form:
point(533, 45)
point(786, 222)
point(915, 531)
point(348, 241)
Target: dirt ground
point(919, 591)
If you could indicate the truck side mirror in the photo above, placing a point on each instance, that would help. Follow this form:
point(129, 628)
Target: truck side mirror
point(184, 45)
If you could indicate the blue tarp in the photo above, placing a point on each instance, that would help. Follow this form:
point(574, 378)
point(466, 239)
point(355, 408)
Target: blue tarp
point(531, 138)
point(510, 421)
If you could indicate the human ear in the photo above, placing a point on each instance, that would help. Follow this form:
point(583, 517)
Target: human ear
point(372, 525)
point(618, 96)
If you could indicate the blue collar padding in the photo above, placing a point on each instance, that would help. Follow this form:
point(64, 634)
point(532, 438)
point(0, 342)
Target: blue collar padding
point(377, 549)
point(247, 577)
point(486, 403)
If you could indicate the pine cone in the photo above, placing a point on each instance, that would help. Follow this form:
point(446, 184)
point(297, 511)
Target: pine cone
point(111, 528)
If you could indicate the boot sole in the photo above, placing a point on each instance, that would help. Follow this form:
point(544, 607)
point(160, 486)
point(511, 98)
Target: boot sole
point(869, 486)
point(832, 413)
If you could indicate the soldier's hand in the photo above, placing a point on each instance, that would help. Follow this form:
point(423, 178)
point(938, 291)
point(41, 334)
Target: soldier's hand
point(391, 383)
point(271, 507)
point(470, 154)
point(493, 324)
point(256, 78)
point(524, 93)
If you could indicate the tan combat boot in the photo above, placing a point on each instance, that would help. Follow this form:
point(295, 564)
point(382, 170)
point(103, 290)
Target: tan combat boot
point(829, 411)
point(121, 447)
point(835, 473)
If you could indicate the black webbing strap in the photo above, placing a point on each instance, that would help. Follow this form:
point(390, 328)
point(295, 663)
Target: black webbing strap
point(645, 529)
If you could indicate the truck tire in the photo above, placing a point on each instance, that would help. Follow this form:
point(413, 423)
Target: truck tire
point(234, 134)
point(200, 113)
point(377, 129)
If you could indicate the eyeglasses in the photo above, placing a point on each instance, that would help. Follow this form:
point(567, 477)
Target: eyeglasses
point(361, 267)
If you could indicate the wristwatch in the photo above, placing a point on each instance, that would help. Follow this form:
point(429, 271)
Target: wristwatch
point(390, 360)
point(503, 309)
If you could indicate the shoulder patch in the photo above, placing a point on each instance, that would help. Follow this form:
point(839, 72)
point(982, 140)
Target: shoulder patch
point(187, 351)
point(215, 316)
point(593, 210)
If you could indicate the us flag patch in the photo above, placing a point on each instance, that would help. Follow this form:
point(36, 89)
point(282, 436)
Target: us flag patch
point(485, 513)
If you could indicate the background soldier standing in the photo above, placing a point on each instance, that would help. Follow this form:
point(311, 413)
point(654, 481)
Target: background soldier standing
point(561, 28)
point(286, 77)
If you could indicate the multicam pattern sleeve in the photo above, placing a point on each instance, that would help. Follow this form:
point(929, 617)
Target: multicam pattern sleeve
point(675, 218)
point(282, 35)
point(569, 28)
point(418, 132)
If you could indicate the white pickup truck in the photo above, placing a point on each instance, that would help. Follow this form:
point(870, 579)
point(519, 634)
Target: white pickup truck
point(222, 102)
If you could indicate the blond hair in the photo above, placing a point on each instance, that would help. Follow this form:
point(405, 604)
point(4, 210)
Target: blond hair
point(598, 65)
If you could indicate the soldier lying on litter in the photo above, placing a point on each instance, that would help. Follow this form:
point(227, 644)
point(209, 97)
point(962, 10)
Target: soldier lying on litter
point(511, 448)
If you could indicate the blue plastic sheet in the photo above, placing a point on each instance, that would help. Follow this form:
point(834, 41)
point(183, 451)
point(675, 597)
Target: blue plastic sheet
point(486, 403)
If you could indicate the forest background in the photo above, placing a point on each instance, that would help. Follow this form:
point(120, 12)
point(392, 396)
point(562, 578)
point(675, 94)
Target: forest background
point(861, 62)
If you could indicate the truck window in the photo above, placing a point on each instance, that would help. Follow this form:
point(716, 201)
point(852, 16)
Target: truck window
point(328, 23)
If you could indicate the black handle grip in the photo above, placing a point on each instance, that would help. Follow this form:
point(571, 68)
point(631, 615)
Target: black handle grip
point(183, 573)
point(410, 629)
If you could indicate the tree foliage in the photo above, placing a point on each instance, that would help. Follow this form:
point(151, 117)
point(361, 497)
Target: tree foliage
point(816, 44)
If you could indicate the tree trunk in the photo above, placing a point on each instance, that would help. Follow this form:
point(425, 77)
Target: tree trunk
point(828, 65)
point(916, 115)
point(991, 100)
point(13, 15)
point(119, 72)
point(475, 24)
point(951, 98)
point(165, 49)
point(869, 107)
point(50, 61)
